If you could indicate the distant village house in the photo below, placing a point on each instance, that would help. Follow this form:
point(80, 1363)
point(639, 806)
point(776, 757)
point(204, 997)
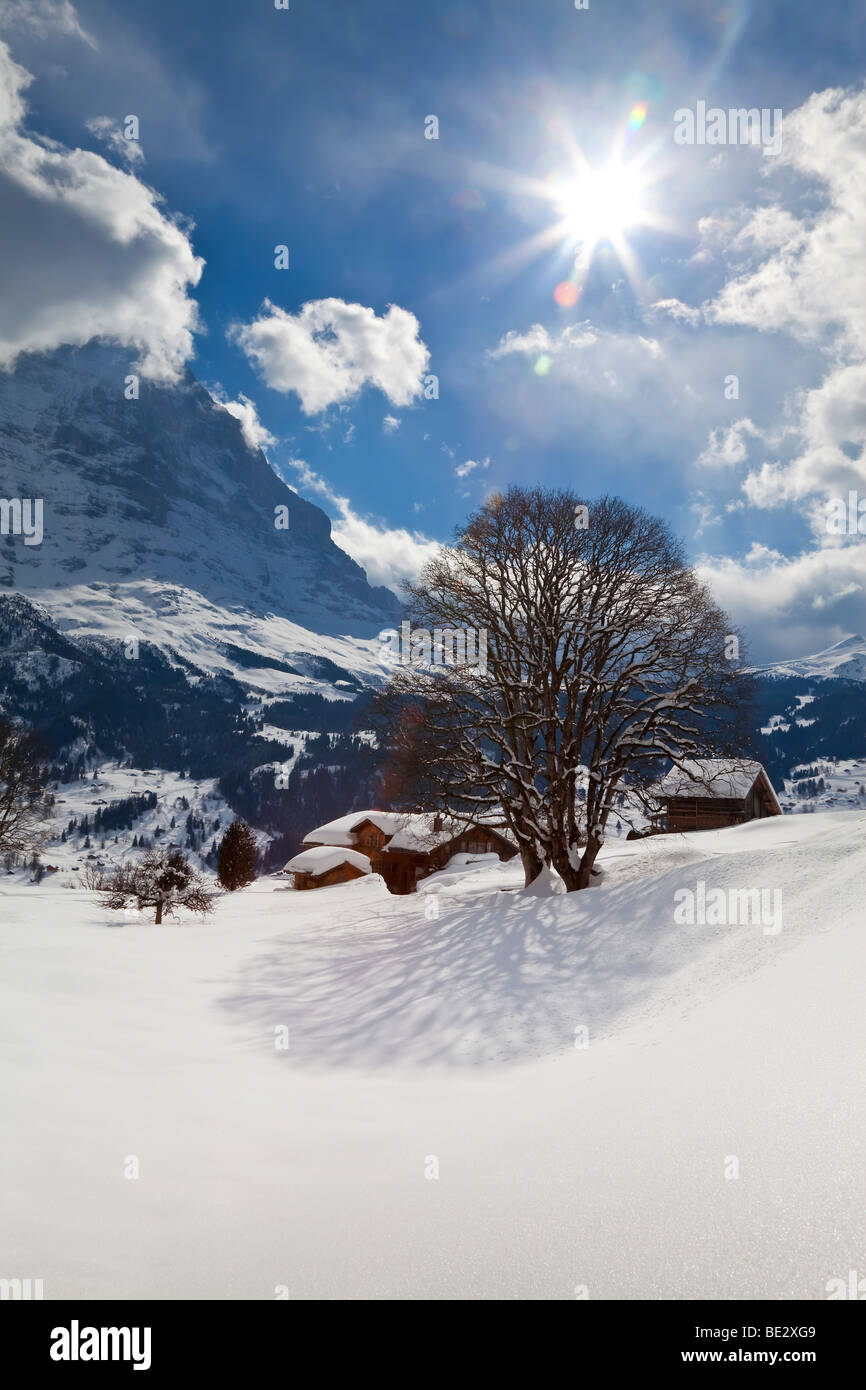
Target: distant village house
point(402, 847)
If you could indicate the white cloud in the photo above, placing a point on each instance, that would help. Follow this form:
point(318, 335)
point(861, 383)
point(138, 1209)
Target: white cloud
point(389, 555)
point(832, 444)
point(716, 233)
point(586, 366)
point(244, 410)
point(108, 130)
point(704, 513)
point(808, 284)
point(536, 339)
point(792, 601)
point(625, 395)
point(43, 18)
point(330, 350)
point(581, 349)
point(85, 250)
point(728, 447)
point(798, 271)
point(463, 469)
point(762, 555)
point(675, 309)
point(390, 424)
point(806, 279)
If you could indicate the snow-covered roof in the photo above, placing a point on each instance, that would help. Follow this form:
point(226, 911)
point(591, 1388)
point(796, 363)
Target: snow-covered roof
point(338, 832)
point(407, 831)
point(324, 857)
point(713, 777)
point(417, 833)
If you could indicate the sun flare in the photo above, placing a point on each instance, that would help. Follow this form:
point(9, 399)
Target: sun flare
point(590, 210)
point(601, 204)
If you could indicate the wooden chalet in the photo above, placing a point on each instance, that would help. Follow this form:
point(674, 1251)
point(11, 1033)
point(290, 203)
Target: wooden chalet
point(404, 848)
point(711, 793)
point(325, 865)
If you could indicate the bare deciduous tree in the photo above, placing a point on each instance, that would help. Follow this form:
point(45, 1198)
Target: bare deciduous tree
point(605, 657)
point(22, 790)
point(163, 880)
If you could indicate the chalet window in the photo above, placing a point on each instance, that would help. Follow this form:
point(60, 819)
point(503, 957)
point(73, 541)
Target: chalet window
point(477, 846)
point(370, 838)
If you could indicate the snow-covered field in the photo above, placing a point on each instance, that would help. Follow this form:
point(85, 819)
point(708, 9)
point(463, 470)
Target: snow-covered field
point(844, 786)
point(524, 1097)
point(164, 824)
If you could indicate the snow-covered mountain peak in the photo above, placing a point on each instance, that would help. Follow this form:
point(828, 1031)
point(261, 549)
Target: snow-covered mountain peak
point(161, 495)
point(845, 659)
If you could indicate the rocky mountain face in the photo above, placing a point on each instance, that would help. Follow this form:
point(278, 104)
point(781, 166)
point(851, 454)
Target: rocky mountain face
point(181, 605)
point(162, 490)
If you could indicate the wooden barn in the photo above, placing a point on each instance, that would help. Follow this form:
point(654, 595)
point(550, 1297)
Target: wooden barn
point(711, 793)
point(323, 866)
point(404, 848)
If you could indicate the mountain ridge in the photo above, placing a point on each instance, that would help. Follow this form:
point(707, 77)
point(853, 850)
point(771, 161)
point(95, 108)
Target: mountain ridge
point(165, 620)
point(845, 660)
point(149, 501)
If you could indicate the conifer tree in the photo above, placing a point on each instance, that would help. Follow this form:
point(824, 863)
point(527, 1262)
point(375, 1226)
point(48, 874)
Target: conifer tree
point(236, 865)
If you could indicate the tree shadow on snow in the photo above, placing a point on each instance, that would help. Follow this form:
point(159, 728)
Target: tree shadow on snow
point(500, 979)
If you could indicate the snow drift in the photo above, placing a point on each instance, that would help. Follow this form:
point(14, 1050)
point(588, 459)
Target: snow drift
point(613, 1102)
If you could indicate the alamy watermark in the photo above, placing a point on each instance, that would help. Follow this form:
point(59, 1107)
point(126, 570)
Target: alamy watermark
point(739, 126)
point(731, 907)
point(21, 1290)
point(853, 1287)
point(77, 1343)
point(444, 648)
point(22, 516)
point(846, 517)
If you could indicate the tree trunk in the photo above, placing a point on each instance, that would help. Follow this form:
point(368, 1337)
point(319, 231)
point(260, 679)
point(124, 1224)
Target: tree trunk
point(577, 878)
point(157, 921)
point(532, 865)
point(586, 863)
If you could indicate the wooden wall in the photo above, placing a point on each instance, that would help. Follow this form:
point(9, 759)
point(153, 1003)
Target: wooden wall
point(703, 813)
point(341, 873)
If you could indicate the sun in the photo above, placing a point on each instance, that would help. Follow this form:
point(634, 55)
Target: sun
point(606, 209)
point(600, 204)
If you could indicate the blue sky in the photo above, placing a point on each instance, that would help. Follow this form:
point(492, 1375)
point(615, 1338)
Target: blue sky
point(306, 127)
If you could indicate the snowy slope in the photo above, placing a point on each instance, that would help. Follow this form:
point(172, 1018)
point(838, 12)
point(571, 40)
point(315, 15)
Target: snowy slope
point(176, 799)
point(234, 641)
point(826, 785)
point(450, 1042)
point(164, 617)
point(159, 523)
point(846, 659)
point(808, 719)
